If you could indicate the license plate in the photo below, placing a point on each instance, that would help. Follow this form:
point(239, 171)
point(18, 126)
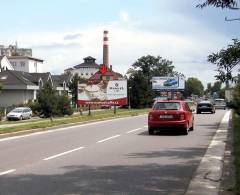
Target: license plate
point(166, 116)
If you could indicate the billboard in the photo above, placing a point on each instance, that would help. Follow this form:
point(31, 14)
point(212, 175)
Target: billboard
point(113, 92)
point(168, 83)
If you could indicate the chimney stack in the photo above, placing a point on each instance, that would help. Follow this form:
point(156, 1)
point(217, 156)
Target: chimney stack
point(105, 48)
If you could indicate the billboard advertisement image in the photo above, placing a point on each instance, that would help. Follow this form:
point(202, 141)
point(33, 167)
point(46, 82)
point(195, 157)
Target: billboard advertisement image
point(168, 83)
point(113, 92)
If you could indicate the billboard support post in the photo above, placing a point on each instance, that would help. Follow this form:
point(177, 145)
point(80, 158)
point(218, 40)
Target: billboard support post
point(129, 93)
point(89, 110)
point(115, 110)
point(172, 95)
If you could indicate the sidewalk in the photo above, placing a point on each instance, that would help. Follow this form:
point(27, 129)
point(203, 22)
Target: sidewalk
point(207, 178)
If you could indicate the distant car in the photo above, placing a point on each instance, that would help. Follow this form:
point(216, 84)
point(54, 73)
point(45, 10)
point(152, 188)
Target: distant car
point(20, 113)
point(173, 114)
point(170, 82)
point(205, 106)
point(220, 104)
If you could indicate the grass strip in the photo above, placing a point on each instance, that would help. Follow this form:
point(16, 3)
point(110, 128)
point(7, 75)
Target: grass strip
point(44, 123)
point(236, 126)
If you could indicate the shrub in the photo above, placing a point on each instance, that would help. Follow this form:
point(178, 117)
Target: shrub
point(63, 106)
point(236, 98)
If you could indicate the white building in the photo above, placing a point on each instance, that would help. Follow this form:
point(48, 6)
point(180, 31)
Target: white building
point(85, 69)
point(26, 64)
point(5, 64)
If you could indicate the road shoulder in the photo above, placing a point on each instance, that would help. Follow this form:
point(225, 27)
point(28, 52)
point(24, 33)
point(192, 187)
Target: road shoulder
point(208, 176)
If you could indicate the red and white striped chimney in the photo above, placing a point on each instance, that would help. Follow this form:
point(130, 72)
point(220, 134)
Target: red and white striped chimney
point(105, 48)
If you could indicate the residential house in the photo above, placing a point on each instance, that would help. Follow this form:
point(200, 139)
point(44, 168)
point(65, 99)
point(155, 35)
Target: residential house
point(5, 64)
point(19, 87)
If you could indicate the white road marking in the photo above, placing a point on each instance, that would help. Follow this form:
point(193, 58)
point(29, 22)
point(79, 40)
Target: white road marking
point(6, 172)
point(115, 136)
point(64, 153)
point(134, 130)
point(63, 128)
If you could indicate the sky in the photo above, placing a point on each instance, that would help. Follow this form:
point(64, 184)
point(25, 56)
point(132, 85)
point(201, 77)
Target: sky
point(63, 32)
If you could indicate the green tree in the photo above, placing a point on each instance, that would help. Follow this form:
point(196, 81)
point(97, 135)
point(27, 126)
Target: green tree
point(140, 78)
point(47, 100)
point(236, 98)
point(226, 60)
point(73, 86)
point(193, 86)
point(229, 4)
point(216, 87)
point(63, 105)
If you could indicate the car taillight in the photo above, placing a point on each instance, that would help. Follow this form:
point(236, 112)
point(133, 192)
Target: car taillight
point(150, 117)
point(182, 116)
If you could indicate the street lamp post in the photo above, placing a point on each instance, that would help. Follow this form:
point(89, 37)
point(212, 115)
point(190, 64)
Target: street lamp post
point(129, 94)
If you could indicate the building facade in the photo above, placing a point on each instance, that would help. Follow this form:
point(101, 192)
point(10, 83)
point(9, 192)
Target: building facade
point(86, 69)
point(26, 64)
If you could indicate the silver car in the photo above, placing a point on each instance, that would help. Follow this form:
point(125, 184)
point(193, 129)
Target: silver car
point(20, 113)
point(220, 104)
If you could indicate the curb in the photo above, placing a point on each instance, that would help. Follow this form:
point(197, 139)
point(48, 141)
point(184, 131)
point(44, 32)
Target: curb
point(208, 176)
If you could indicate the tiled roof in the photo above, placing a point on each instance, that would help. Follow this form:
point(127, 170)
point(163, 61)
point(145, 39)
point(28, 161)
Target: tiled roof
point(12, 77)
point(89, 62)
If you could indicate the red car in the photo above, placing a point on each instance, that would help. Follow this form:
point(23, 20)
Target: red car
point(170, 114)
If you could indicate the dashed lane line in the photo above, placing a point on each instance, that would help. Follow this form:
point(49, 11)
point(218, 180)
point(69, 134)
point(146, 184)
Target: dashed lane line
point(7, 172)
point(109, 138)
point(63, 153)
point(134, 130)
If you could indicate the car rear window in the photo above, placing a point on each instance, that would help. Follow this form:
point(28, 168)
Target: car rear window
point(17, 110)
point(204, 105)
point(166, 106)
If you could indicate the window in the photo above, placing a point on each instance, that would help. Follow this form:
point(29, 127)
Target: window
point(22, 64)
point(86, 73)
point(187, 107)
point(14, 64)
point(166, 106)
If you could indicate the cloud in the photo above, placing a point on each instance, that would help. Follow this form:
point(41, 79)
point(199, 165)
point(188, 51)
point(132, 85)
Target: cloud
point(57, 46)
point(72, 36)
point(124, 16)
point(129, 40)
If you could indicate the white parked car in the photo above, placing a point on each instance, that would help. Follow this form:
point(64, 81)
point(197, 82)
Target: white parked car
point(20, 113)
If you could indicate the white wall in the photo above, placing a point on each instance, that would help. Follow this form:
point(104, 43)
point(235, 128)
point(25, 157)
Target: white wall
point(17, 64)
point(28, 67)
point(35, 66)
point(10, 97)
point(5, 64)
point(85, 72)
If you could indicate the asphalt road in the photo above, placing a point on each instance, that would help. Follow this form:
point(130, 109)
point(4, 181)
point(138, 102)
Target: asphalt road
point(109, 157)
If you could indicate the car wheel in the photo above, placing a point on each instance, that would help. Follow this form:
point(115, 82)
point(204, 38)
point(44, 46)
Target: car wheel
point(21, 118)
point(185, 130)
point(150, 131)
point(30, 116)
point(192, 127)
